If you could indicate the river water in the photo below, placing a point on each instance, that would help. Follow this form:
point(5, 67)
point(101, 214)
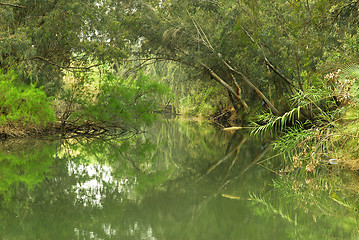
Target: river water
point(177, 180)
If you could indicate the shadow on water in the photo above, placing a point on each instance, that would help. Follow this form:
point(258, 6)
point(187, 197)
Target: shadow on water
point(178, 180)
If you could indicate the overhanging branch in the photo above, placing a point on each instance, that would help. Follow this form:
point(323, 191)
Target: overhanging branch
point(267, 62)
point(223, 83)
point(61, 66)
point(157, 59)
point(251, 85)
point(243, 77)
point(11, 5)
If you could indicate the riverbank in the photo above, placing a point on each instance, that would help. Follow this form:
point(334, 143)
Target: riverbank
point(67, 130)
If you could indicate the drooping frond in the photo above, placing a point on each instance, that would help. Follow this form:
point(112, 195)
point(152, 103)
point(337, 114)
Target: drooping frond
point(276, 124)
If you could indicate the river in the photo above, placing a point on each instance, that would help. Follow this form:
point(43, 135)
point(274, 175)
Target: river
point(177, 180)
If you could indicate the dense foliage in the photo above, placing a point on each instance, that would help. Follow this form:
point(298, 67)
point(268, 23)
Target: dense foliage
point(273, 50)
point(116, 101)
point(257, 56)
point(290, 67)
point(39, 39)
point(24, 105)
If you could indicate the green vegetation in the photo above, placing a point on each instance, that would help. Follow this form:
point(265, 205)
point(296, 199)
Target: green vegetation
point(328, 138)
point(105, 64)
point(24, 164)
point(112, 101)
point(181, 180)
point(58, 61)
point(22, 108)
point(287, 69)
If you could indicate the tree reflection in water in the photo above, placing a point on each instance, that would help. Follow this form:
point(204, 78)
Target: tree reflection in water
point(179, 180)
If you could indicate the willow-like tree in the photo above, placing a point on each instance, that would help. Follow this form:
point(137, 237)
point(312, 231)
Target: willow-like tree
point(270, 48)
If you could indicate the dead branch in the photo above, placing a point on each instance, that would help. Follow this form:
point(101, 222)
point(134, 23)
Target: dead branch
point(238, 90)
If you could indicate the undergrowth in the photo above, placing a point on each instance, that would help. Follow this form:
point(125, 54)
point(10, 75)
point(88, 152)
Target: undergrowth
point(322, 126)
point(110, 100)
point(22, 107)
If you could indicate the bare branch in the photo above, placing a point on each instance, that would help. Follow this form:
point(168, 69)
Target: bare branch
point(201, 33)
point(274, 69)
point(61, 66)
point(251, 85)
point(244, 78)
point(220, 80)
point(268, 63)
point(238, 90)
point(159, 59)
point(11, 5)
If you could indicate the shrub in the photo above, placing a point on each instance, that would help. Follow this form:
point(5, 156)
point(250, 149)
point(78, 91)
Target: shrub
point(23, 105)
point(120, 101)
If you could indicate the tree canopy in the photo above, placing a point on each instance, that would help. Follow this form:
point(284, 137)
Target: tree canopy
point(261, 53)
point(267, 47)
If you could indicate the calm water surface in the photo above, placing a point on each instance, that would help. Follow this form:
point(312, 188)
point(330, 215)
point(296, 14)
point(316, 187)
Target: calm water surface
point(178, 180)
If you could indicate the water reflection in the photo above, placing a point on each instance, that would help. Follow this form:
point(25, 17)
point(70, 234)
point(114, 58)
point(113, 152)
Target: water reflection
point(90, 192)
point(179, 180)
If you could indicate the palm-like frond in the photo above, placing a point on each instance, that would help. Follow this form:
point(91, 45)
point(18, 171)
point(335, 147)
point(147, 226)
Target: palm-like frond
point(275, 124)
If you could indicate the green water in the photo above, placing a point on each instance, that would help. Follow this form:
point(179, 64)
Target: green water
point(178, 180)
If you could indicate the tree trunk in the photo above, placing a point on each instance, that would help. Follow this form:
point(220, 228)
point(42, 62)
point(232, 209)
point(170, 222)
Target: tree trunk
point(257, 91)
point(220, 80)
point(235, 105)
